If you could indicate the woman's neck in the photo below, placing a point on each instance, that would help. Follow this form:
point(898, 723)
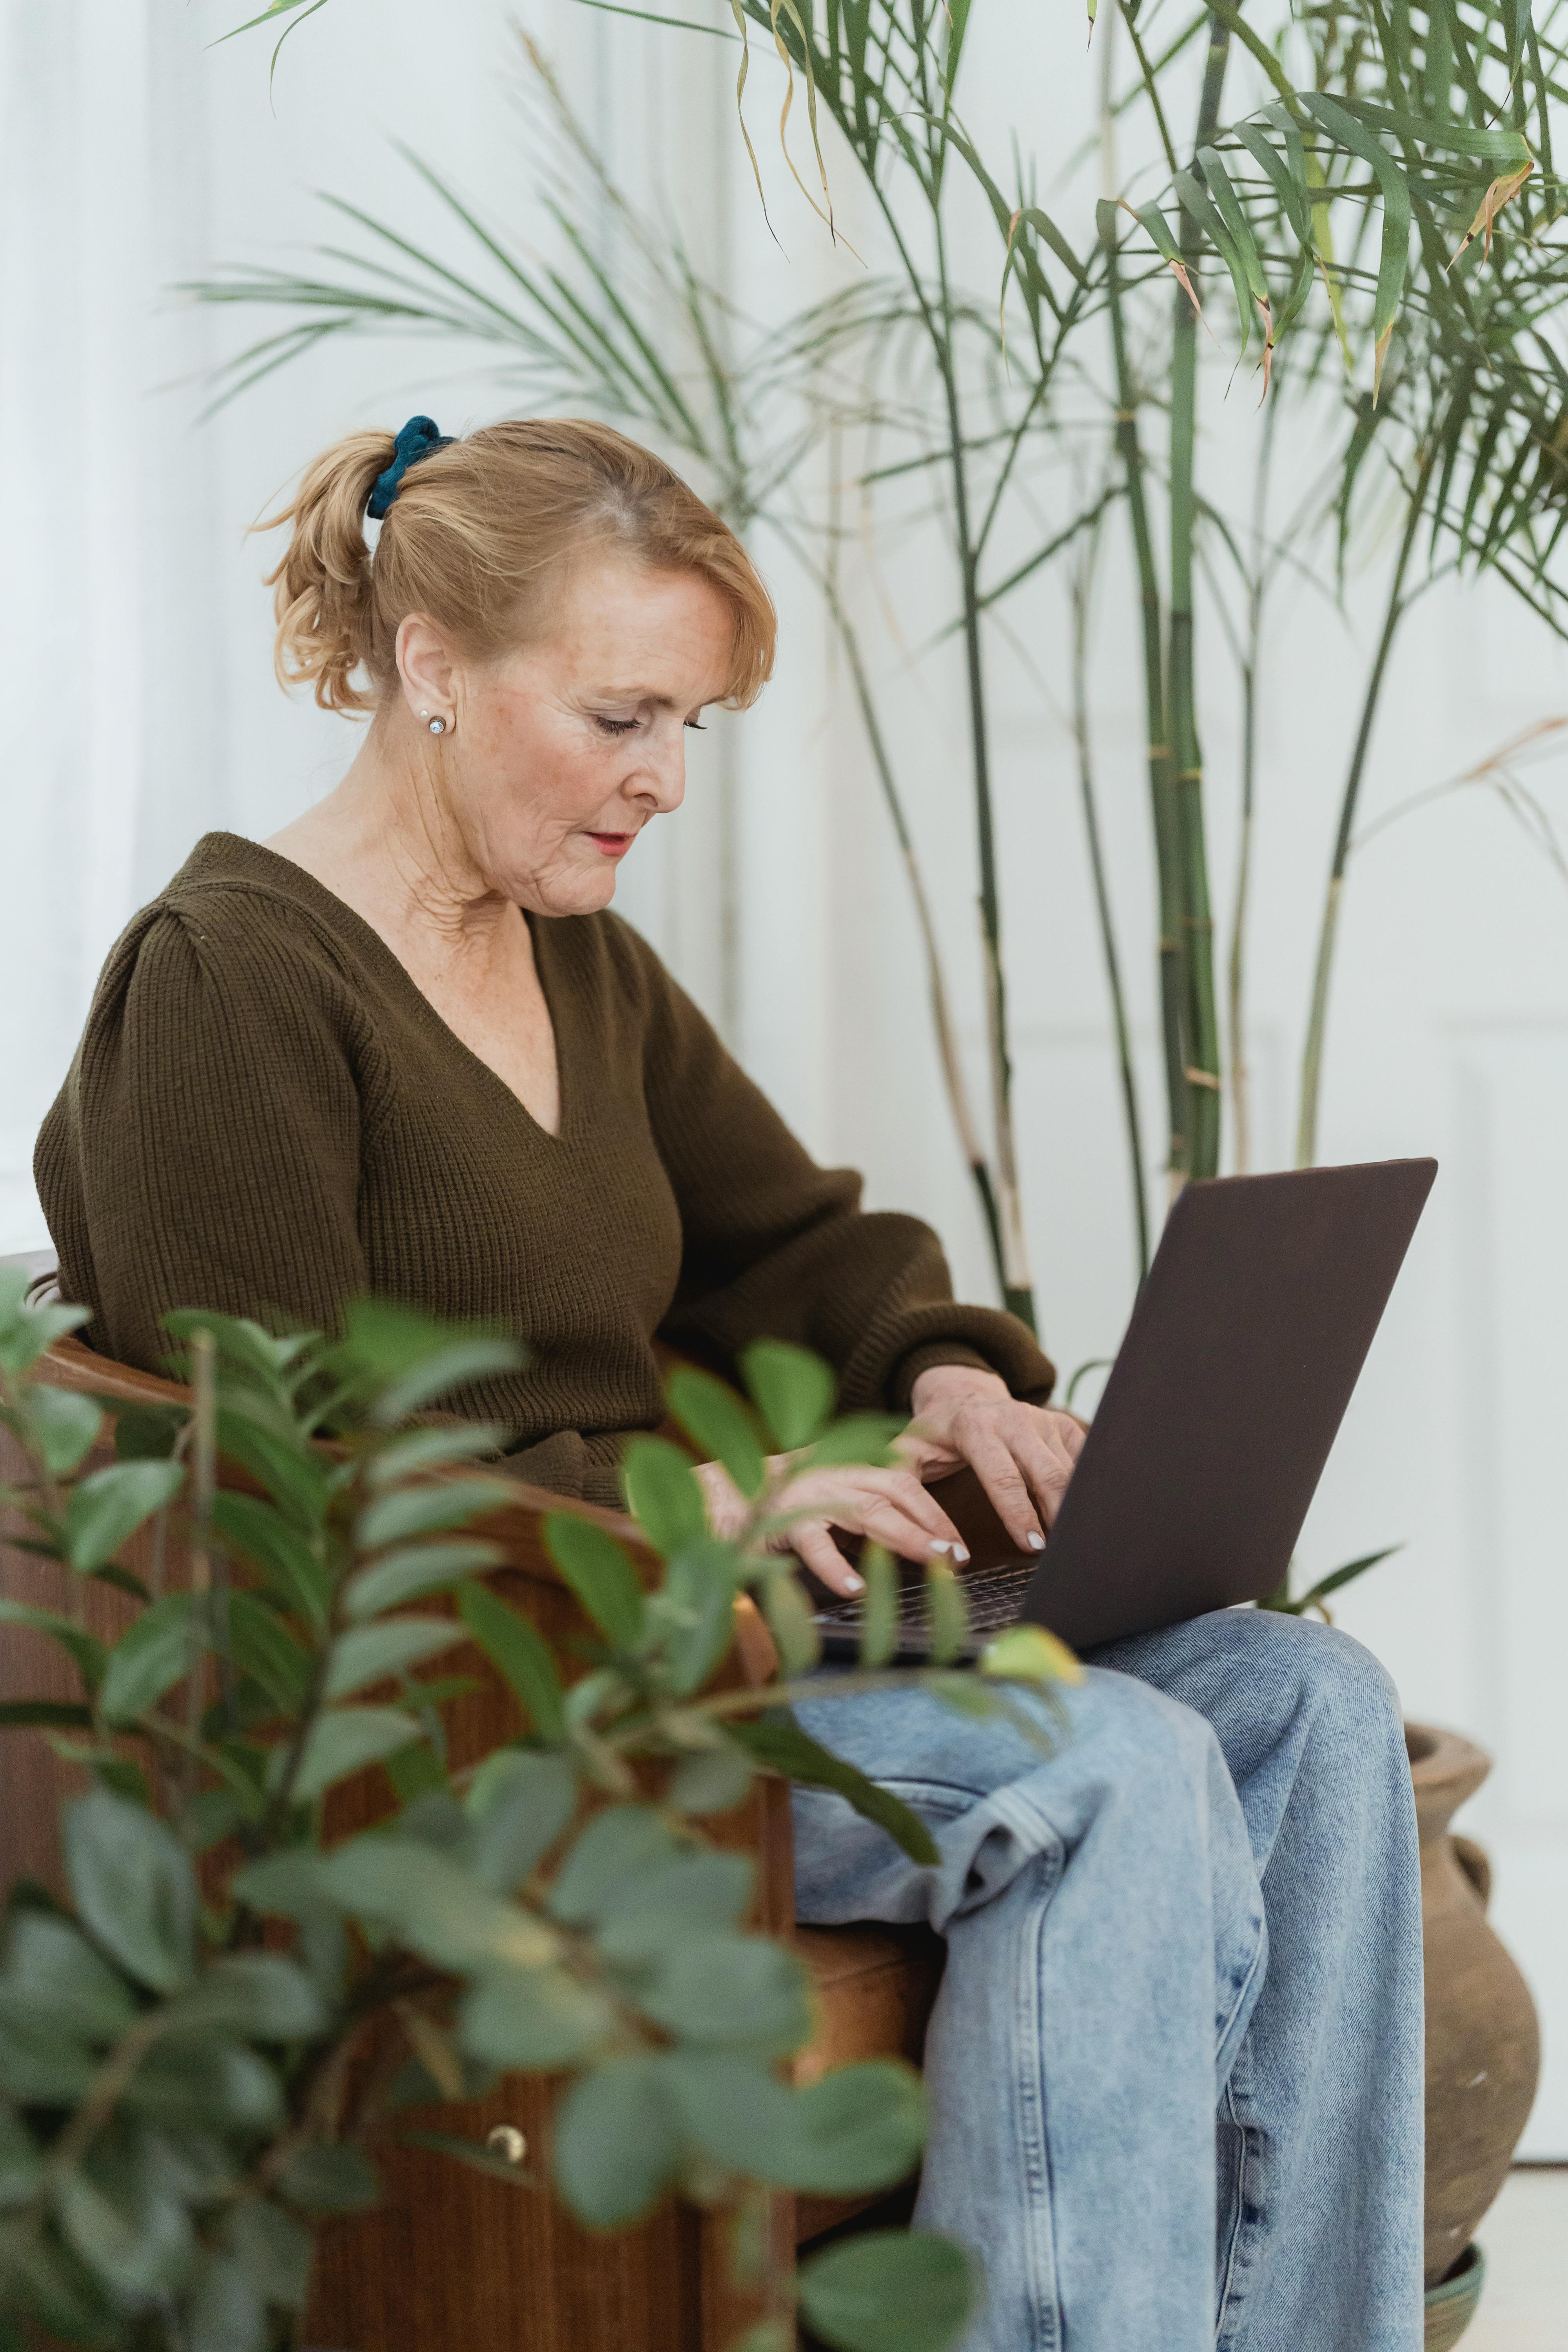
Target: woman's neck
point(386, 842)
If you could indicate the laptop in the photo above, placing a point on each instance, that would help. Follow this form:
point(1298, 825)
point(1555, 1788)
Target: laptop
point(1226, 1395)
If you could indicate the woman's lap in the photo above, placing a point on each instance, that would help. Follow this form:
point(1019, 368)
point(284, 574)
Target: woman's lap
point(1105, 1908)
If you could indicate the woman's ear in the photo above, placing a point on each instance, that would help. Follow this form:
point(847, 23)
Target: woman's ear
point(430, 675)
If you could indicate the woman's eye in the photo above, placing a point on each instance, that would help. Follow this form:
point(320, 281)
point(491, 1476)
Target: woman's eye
point(613, 726)
point(697, 726)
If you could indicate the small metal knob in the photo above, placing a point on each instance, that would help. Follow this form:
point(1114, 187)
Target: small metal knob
point(507, 2142)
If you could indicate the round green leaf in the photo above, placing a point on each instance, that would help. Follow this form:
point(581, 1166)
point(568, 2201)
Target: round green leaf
point(718, 1425)
point(137, 2251)
point(1029, 1653)
point(417, 1569)
point(331, 2177)
point(890, 2291)
point(274, 2249)
point(106, 1509)
point(519, 1802)
point(519, 1654)
point(344, 1740)
point(601, 1575)
point(533, 2017)
point(62, 1428)
point(370, 1653)
point(617, 2143)
point(620, 1854)
point(715, 1782)
point(149, 1658)
point(53, 1972)
point(860, 2128)
point(662, 1493)
point(696, 1612)
point(261, 1995)
point(225, 2310)
point(731, 1992)
point(133, 1887)
point(424, 1510)
point(793, 1390)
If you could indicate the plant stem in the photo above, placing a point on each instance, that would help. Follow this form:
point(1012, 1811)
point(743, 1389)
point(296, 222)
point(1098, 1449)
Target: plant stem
point(203, 1484)
point(1200, 1022)
point(1082, 585)
point(1161, 784)
point(1018, 1290)
point(1317, 1023)
point(936, 982)
point(1240, 1076)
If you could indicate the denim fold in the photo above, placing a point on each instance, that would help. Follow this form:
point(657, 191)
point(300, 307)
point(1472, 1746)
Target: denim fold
point(1176, 2065)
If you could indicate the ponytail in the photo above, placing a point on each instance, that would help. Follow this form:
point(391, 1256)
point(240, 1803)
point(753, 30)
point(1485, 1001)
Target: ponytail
point(477, 532)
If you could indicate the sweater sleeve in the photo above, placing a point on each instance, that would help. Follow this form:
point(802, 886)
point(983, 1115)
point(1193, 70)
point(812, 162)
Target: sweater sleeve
point(776, 1248)
point(204, 1151)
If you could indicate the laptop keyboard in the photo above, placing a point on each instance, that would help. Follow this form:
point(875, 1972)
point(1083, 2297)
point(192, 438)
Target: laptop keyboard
point(995, 1595)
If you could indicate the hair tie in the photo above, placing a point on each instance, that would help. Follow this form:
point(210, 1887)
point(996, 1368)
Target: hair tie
point(418, 437)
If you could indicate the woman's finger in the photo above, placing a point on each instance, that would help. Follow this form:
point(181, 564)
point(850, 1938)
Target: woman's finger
point(899, 1533)
point(1046, 1466)
point(811, 1540)
point(992, 1463)
point(845, 1499)
point(904, 1490)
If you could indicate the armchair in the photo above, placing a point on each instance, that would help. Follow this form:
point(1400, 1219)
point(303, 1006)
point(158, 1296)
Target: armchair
point(451, 2257)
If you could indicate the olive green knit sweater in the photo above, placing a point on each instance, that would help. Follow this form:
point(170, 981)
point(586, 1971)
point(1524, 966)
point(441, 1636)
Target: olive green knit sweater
point(265, 1117)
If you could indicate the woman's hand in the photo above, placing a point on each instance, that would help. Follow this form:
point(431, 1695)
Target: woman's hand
point(1023, 1454)
point(889, 1506)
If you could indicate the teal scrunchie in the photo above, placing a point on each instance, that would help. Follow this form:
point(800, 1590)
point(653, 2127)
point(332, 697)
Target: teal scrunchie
point(417, 440)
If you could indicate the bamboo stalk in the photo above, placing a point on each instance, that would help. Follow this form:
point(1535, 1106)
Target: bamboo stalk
point(1236, 1008)
point(1017, 1289)
point(1201, 1024)
point(1083, 584)
point(1318, 1017)
point(936, 982)
point(1160, 773)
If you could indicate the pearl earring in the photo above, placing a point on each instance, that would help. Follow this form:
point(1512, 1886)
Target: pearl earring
point(436, 726)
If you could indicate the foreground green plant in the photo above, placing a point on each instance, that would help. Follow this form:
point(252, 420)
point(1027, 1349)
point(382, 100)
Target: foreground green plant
point(179, 2106)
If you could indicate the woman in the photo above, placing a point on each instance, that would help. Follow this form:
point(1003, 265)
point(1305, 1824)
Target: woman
point(403, 1046)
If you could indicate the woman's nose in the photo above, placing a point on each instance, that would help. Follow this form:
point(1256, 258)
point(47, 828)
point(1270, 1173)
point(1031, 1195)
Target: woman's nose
point(662, 777)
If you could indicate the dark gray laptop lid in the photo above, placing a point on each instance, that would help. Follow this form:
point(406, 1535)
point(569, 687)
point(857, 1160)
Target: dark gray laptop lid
point(1225, 1396)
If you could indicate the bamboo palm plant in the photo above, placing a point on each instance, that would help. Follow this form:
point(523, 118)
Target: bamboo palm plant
point(1373, 178)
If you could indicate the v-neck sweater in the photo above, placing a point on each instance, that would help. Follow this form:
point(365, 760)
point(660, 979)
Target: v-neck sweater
point(268, 1118)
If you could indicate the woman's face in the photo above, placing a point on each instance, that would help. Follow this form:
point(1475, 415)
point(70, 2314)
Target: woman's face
point(557, 756)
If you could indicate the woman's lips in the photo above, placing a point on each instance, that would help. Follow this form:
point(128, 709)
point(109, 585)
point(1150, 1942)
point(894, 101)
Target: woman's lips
point(612, 844)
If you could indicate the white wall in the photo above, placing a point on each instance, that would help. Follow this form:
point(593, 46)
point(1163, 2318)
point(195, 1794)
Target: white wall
point(142, 713)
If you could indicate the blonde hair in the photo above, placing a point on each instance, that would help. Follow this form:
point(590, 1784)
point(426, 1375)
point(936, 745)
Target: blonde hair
point(480, 531)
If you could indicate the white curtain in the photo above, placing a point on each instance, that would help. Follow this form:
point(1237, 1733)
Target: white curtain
point(139, 711)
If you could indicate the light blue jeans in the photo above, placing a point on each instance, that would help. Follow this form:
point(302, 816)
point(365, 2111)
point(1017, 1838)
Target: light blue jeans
point(1206, 1898)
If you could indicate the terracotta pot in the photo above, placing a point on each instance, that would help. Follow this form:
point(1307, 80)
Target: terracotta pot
point(1483, 2043)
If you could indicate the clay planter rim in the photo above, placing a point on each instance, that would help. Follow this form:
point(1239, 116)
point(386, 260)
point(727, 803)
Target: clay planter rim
point(1445, 1769)
point(1452, 2304)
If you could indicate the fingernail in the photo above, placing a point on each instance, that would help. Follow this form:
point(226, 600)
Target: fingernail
point(960, 1552)
point(1036, 1543)
point(853, 1584)
point(944, 1549)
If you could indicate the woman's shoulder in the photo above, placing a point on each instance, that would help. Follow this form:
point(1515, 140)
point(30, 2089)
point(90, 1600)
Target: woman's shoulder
point(234, 924)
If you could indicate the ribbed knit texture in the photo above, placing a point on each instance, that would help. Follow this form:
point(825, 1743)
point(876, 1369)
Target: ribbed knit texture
point(265, 1117)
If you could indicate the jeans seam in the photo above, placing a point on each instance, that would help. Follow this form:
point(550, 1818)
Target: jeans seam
point(1238, 2257)
point(1046, 2325)
point(1259, 1955)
